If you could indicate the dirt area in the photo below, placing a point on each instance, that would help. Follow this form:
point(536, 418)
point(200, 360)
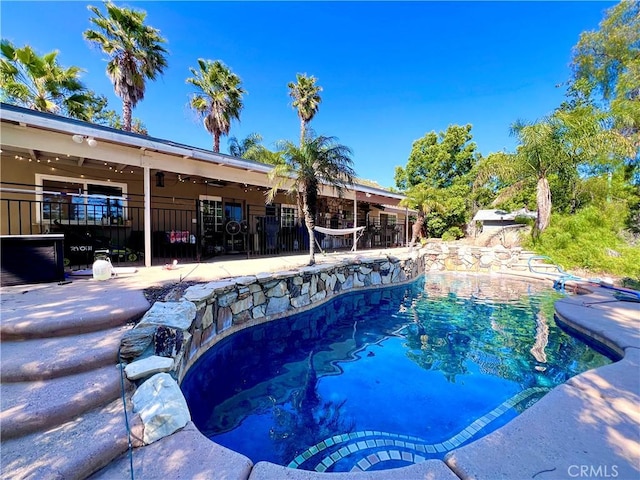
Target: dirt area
point(167, 293)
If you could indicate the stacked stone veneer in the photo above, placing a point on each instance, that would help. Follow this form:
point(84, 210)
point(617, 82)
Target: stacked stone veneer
point(209, 312)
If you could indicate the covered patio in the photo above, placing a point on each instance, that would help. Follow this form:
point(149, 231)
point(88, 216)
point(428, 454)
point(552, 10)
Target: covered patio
point(149, 201)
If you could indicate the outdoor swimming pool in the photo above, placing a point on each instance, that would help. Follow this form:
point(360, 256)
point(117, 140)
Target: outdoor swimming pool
point(385, 378)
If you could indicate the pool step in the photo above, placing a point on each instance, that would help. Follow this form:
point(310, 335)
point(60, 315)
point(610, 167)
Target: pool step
point(72, 450)
point(42, 359)
point(28, 407)
point(35, 311)
point(535, 266)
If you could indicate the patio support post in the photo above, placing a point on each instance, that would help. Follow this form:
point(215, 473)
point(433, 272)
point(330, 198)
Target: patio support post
point(355, 221)
point(147, 216)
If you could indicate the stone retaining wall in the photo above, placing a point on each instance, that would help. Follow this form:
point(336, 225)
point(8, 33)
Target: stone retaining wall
point(209, 312)
point(226, 306)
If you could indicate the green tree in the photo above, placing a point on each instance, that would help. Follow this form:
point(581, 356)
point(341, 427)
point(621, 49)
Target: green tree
point(306, 100)
point(424, 199)
point(441, 165)
point(40, 83)
point(439, 159)
point(262, 154)
point(240, 148)
point(99, 113)
point(318, 161)
point(218, 98)
point(135, 52)
point(251, 148)
point(606, 67)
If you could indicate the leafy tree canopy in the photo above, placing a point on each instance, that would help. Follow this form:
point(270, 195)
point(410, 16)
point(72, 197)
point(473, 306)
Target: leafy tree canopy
point(41, 83)
point(218, 97)
point(303, 171)
point(606, 70)
point(439, 160)
point(135, 52)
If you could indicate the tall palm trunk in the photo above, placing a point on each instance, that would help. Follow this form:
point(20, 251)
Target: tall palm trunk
point(302, 130)
point(216, 142)
point(543, 200)
point(417, 228)
point(310, 221)
point(126, 115)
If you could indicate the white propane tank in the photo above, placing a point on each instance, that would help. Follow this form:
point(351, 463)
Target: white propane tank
point(102, 269)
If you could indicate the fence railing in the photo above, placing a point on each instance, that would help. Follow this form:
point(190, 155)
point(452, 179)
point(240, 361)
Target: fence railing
point(179, 230)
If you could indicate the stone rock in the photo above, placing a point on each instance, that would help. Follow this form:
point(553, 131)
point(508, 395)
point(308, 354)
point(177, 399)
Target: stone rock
point(161, 406)
point(348, 283)
point(178, 315)
point(168, 341)
point(319, 296)
point(486, 260)
point(365, 270)
point(242, 305)
point(278, 305)
point(207, 318)
point(279, 290)
point(242, 317)
point(227, 299)
point(264, 277)
point(301, 301)
point(259, 298)
point(258, 312)
point(199, 293)
point(375, 278)
point(225, 318)
point(147, 367)
point(135, 341)
point(246, 281)
point(294, 290)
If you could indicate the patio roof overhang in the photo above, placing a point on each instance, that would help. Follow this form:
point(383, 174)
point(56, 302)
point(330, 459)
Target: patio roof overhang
point(34, 133)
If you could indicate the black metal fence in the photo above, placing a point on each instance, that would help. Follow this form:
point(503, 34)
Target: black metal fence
point(180, 229)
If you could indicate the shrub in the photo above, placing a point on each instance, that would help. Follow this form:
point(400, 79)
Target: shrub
point(589, 240)
point(453, 233)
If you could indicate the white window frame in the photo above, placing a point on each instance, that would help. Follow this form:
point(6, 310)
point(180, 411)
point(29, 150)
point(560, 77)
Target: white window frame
point(295, 214)
point(85, 182)
point(212, 198)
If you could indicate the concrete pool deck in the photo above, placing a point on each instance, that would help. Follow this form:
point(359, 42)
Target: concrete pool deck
point(588, 427)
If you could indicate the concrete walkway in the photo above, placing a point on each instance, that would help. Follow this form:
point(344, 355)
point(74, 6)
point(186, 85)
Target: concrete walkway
point(62, 413)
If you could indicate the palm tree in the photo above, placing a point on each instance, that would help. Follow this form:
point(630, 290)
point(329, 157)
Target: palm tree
point(239, 148)
point(555, 145)
point(320, 160)
point(134, 49)
point(219, 97)
point(40, 83)
point(306, 99)
point(425, 200)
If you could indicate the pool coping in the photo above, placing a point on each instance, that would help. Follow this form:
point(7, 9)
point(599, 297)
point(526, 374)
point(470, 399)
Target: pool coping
point(506, 452)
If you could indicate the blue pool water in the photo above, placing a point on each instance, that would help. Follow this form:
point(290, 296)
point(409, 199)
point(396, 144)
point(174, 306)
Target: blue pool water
point(385, 378)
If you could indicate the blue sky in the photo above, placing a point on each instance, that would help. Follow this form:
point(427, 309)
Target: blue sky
point(390, 71)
